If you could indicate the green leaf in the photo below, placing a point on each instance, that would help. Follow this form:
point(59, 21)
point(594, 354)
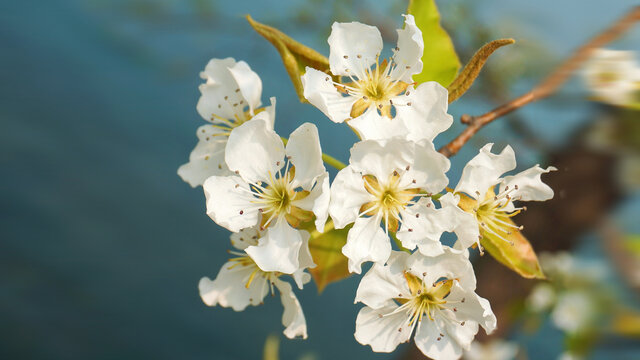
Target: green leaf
point(326, 250)
point(440, 61)
point(468, 75)
point(271, 348)
point(295, 56)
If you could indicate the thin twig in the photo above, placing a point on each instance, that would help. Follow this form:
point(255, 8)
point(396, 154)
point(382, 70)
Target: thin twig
point(547, 86)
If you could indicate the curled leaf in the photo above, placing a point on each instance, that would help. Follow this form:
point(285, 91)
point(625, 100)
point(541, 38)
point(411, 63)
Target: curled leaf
point(468, 75)
point(295, 56)
point(326, 251)
point(439, 59)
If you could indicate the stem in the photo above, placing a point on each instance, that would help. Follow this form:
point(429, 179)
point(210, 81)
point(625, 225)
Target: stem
point(328, 159)
point(546, 87)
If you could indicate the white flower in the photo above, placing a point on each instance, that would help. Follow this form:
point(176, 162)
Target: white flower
point(612, 76)
point(433, 295)
point(241, 283)
point(371, 97)
point(574, 311)
point(480, 179)
point(230, 97)
point(380, 185)
point(542, 297)
point(493, 350)
point(274, 187)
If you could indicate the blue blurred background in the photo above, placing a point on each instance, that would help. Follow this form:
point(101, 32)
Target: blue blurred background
point(102, 244)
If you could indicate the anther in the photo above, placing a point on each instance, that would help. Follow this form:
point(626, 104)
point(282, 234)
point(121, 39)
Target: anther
point(277, 163)
point(380, 316)
point(414, 181)
point(419, 292)
point(237, 172)
point(395, 173)
point(346, 57)
point(407, 93)
point(237, 186)
point(407, 67)
point(515, 187)
point(226, 97)
point(399, 329)
point(365, 98)
point(424, 274)
point(428, 204)
point(359, 56)
point(410, 230)
point(455, 309)
point(408, 167)
point(380, 106)
point(438, 338)
point(219, 106)
point(397, 48)
point(237, 90)
point(417, 216)
point(327, 78)
point(462, 323)
point(409, 104)
point(241, 212)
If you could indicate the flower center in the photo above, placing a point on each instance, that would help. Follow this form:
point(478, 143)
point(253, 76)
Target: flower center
point(494, 214)
point(388, 199)
point(374, 87)
point(276, 199)
point(424, 298)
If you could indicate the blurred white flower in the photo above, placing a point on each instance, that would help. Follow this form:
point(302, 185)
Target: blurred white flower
point(274, 187)
point(574, 311)
point(494, 195)
point(433, 295)
point(613, 76)
point(541, 298)
point(492, 350)
point(369, 101)
point(230, 97)
point(382, 184)
point(241, 283)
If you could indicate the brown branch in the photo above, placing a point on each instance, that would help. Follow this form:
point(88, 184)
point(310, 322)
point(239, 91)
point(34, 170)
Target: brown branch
point(546, 87)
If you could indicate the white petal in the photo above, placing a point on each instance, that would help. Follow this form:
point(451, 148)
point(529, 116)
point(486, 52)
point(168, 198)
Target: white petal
point(474, 308)
point(347, 196)
point(218, 100)
point(426, 339)
point(229, 204)
point(384, 282)
point(423, 230)
point(248, 82)
point(350, 40)
point(207, 158)
point(292, 317)
point(245, 238)
point(268, 114)
point(410, 48)
point(306, 155)
point(366, 241)
point(279, 248)
point(384, 333)
point(484, 170)
point(458, 221)
point(427, 115)
point(217, 71)
point(372, 126)
point(254, 151)
point(229, 290)
point(428, 168)
point(304, 261)
point(451, 265)
point(381, 158)
point(317, 201)
point(321, 93)
point(530, 185)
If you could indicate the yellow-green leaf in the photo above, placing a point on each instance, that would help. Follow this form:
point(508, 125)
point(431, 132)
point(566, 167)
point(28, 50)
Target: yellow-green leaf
point(326, 250)
point(518, 257)
point(468, 75)
point(627, 323)
point(440, 61)
point(295, 56)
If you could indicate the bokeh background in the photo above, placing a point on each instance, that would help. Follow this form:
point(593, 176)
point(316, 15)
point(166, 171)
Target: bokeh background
point(102, 244)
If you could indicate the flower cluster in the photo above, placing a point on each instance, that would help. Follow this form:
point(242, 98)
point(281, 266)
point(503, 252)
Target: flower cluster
point(270, 194)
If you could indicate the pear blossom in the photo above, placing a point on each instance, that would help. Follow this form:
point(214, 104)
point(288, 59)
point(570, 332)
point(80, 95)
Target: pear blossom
point(378, 100)
point(241, 283)
point(574, 311)
point(229, 97)
point(435, 296)
point(273, 187)
point(613, 76)
point(381, 185)
point(490, 196)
